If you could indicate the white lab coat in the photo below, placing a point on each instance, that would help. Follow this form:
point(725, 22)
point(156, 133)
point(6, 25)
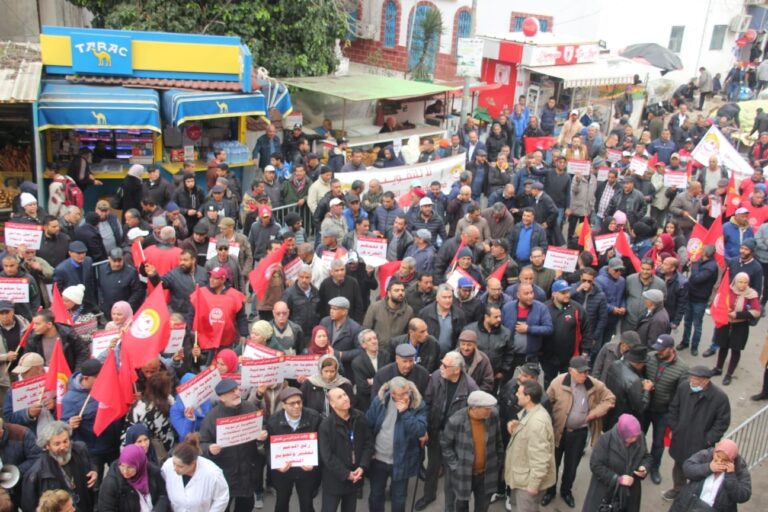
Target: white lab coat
point(207, 491)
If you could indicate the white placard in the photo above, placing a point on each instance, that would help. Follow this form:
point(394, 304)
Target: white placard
point(638, 165)
point(372, 250)
point(28, 235)
point(453, 280)
point(677, 179)
point(261, 372)
point(239, 429)
point(176, 338)
point(28, 392)
point(300, 366)
point(291, 270)
point(14, 289)
point(613, 155)
point(255, 351)
point(602, 173)
point(200, 388)
point(604, 242)
point(582, 167)
point(295, 449)
point(561, 259)
point(234, 249)
point(101, 340)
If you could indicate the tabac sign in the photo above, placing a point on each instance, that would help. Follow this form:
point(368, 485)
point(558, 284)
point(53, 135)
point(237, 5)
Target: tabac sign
point(101, 54)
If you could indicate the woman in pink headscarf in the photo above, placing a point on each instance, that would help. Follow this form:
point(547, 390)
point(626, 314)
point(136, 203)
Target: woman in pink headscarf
point(619, 462)
point(133, 484)
point(716, 476)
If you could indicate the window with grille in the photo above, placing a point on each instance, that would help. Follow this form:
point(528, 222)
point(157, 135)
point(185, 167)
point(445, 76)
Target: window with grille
point(390, 24)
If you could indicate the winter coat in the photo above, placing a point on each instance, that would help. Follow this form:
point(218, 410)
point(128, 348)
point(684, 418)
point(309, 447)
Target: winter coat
point(344, 340)
point(600, 400)
point(46, 475)
point(634, 302)
point(436, 396)
point(702, 280)
point(539, 324)
point(649, 328)
point(427, 352)
point(611, 459)
point(387, 322)
point(627, 386)
point(303, 309)
point(54, 249)
point(123, 284)
point(435, 224)
point(383, 219)
point(530, 457)
point(538, 237)
point(316, 397)
point(181, 285)
point(571, 334)
point(132, 193)
point(458, 449)
point(76, 352)
point(105, 444)
point(18, 447)
point(633, 204)
point(308, 423)
point(117, 495)
point(65, 275)
point(349, 288)
point(596, 307)
point(410, 425)
point(607, 355)
point(481, 371)
point(362, 370)
point(497, 344)
point(761, 250)
point(339, 456)
point(733, 236)
point(736, 487)
point(698, 420)
point(237, 462)
point(160, 191)
point(666, 378)
point(430, 316)
point(683, 208)
point(582, 199)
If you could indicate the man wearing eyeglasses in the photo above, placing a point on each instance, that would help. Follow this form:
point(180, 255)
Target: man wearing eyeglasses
point(586, 293)
point(223, 259)
point(294, 419)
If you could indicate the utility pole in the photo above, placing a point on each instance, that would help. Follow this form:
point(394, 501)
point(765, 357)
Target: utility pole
point(465, 96)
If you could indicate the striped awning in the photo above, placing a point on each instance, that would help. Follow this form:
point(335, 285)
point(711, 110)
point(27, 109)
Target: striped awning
point(182, 106)
point(609, 71)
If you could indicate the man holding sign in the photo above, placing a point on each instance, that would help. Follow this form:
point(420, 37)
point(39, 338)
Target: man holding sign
point(294, 419)
point(242, 465)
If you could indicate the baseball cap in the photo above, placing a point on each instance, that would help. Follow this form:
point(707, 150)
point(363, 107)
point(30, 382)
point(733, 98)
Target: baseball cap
point(663, 341)
point(465, 282)
point(265, 211)
point(425, 201)
point(219, 272)
point(269, 168)
point(616, 264)
point(537, 185)
point(28, 361)
point(335, 201)
point(6, 305)
point(135, 233)
point(90, 368)
point(561, 285)
point(674, 155)
point(741, 210)
point(225, 386)
point(578, 363)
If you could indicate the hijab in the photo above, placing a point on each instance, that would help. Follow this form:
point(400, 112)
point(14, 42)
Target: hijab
point(125, 309)
point(134, 456)
point(317, 379)
point(229, 358)
point(743, 297)
point(313, 348)
point(627, 427)
point(134, 432)
point(667, 246)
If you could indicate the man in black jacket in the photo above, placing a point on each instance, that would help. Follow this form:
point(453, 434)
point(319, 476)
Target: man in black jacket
point(77, 269)
point(700, 285)
point(339, 284)
point(626, 380)
point(45, 333)
point(55, 244)
point(426, 346)
point(303, 299)
point(404, 366)
point(181, 282)
point(296, 419)
point(118, 282)
point(365, 365)
point(444, 319)
point(89, 234)
point(346, 448)
point(495, 341)
point(546, 214)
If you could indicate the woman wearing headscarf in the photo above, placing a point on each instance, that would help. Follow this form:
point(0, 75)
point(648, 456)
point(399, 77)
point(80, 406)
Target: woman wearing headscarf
point(130, 192)
point(139, 435)
point(188, 419)
point(152, 410)
point(320, 343)
point(390, 158)
point(619, 462)
point(194, 483)
point(83, 318)
point(716, 476)
point(133, 484)
point(225, 362)
point(122, 316)
point(744, 307)
point(663, 244)
point(315, 388)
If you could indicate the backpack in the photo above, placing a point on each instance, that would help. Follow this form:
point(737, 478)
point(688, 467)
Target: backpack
point(73, 195)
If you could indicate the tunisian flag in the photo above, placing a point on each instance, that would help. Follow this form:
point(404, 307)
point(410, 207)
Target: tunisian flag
point(58, 375)
point(622, 245)
point(538, 143)
point(107, 392)
point(386, 272)
point(715, 237)
point(260, 276)
point(585, 238)
point(149, 330)
point(732, 198)
point(721, 305)
point(499, 273)
point(696, 242)
point(59, 310)
point(215, 316)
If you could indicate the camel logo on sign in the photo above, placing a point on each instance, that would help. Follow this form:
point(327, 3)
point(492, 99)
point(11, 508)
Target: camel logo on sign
point(101, 54)
point(223, 107)
point(100, 118)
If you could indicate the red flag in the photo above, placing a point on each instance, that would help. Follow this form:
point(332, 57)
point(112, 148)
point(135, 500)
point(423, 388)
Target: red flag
point(260, 276)
point(127, 376)
point(58, 375)
point(149, 330)
point(652, 161)
point(499, 273)
point(107, 391)
point(538, 143)
point(455, 257)
point(622, 245)
point(25, 336)
point(715, 237)
point(585, 238)
point(215, 316)
point(137, 253)
point(721, 305)
point(732, 198)
point(386, 271)
point(59, 310)
point(696, 242)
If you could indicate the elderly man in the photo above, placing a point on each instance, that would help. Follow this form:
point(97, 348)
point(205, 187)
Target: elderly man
point(405, 365)
point(471, 448)
point(30, 365)
point(444, 319)
point(636, 285)
point(578, 404)
point(117, 282)
point(288, 336)
point(613, 351)
point(342, 332)
point(426, 346)
point(422, 251)
point(655, 320)
point(77, 269)
point(365, 366)
point(339, 284)
point(686, 207)
point(302, 299)
point(398, 419)
point(65, 464)
point(477, 364)
point(450, 379)
point(529, 322)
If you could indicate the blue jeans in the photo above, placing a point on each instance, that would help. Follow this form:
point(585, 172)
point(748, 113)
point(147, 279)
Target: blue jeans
point(694, 317)
point(659, 421)
point(379, 474)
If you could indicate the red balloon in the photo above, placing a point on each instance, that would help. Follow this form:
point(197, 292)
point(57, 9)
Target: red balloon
point(530, 26)
point(741, 42)
point(750, 35)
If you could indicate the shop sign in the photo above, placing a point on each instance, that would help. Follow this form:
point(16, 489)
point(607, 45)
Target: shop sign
point(101, 54)
point(559, 55)
point(469, 56)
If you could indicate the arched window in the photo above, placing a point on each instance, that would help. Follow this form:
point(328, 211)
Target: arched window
point(390, 24)
point(463, 26)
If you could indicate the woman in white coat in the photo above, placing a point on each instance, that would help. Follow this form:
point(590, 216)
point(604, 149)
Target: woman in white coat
point(194, 483)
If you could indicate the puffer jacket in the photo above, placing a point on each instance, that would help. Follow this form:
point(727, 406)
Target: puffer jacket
point(666, 378)
point(596, 305)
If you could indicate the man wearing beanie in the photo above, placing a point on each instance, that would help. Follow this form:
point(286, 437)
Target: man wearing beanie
point(30, 213)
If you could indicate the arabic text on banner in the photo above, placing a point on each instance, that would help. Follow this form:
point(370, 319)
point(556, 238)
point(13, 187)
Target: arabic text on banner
point(240, 429)
point(200, 388)
point(294, 449)
point(561, 259)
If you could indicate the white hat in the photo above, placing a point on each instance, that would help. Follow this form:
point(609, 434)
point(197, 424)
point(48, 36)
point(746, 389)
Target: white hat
point(27, 198)
point(336, 201)
point(425, 201)
point(269, 168)
point(741, 210)
point(74, 293)
point(574, 112)
point(135, 233)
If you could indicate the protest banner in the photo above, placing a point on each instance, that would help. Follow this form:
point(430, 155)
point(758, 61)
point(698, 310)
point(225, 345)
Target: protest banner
point(372, 250)
point(200, 388)
point(28, 392)
point(235, 377)
point(614, 155)
point(176, 338)
point(294, 449)
point(638, 165)
point(291, 270)
point(28, 235)
point(256, 351)
point(602, 173)
point(714, 143)
point(261, 372)
point(300, 366)
point(234, 249)
point(561, 259)
point(240, 429)
point(605, 242)
point(677, 179)
point(14, 289)
point(582, 167)
point(101, 341)
point(398, 179)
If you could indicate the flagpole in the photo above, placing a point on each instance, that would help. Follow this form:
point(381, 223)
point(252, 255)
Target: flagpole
point(82, 409)
point(196, 346)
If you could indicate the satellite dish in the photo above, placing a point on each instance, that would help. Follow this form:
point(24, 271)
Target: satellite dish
point(9, 476)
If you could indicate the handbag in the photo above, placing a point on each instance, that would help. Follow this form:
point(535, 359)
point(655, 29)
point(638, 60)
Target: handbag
point(613, 502)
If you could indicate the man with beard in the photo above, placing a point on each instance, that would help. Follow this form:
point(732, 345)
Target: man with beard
point(11, 269)
point(495, 340)
point(218, 294)
point(198, 243)
point(54, 245)
point(180, 282)
point(467, 301)
point(64, 465)
point(389, 316)
point(421, 291)
point(242, 464)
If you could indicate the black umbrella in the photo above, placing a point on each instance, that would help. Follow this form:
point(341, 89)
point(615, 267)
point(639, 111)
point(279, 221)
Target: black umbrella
point(654, 55)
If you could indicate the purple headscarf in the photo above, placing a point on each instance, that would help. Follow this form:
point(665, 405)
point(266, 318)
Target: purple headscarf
point(133, 455)
point(125, 309)
point(628, 427)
